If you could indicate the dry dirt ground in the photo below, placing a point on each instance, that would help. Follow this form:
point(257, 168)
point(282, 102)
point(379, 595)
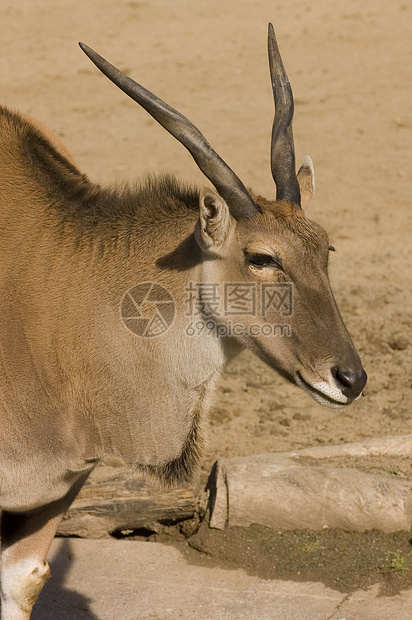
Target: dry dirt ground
point(350, 67)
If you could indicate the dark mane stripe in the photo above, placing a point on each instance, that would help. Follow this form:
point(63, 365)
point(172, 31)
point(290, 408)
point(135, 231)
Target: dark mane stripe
point(79, 202)
point(182, 470)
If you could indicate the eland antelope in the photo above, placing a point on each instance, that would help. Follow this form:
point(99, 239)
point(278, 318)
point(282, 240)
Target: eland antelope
point(121, 307)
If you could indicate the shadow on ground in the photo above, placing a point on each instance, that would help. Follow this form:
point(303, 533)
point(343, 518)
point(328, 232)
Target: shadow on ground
point(344, 561)
point(57, 601)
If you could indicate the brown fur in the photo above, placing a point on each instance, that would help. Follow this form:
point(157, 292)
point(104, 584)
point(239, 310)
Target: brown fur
point(75, 383)
point(71, 224)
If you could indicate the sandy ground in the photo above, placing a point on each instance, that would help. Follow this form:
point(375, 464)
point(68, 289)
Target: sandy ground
point(350, 67)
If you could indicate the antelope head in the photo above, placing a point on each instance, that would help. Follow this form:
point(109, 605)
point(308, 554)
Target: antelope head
point(270, 248)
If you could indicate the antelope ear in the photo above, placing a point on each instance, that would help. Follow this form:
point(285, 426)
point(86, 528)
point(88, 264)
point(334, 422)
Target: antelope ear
point(306, 178)
point(215, 224)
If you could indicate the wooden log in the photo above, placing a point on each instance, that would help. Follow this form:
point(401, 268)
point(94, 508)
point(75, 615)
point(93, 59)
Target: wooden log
point(281, 491)
point(381, 446)
point(312, 488)
point(123, 502)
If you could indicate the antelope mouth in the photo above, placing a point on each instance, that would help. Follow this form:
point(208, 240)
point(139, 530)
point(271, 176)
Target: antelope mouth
point(324, 392)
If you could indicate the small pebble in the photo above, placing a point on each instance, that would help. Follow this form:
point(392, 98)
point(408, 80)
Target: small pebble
point(399, 342)
point(284, 422)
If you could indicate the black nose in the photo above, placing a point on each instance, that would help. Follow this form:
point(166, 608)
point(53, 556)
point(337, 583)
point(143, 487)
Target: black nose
point(350, 381)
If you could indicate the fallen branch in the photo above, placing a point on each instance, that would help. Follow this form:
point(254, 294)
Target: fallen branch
point(124, 502)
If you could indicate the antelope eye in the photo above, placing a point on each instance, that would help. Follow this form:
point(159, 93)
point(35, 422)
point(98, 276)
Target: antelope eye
point(263, 261)
point(332, 249)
